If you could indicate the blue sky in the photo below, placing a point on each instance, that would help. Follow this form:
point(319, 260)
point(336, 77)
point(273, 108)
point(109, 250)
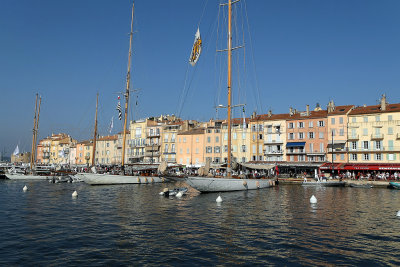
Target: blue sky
point(304, 52)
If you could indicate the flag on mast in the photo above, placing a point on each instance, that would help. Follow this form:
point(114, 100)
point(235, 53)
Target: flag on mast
point(119, 110)
point(196, 49)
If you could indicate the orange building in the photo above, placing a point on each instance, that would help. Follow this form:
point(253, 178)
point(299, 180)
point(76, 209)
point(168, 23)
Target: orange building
point(84, 152)
point(190, 147)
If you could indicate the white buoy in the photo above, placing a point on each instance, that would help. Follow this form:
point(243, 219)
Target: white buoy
point(161, 193)
point(219, 199)
point(313, 199)
point(398, 214)
point(25, 188)
point(179, 195)
point(75, 194)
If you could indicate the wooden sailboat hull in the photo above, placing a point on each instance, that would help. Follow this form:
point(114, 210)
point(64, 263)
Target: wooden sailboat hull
point(110, 179)
point(27, 177)
point(211, 184)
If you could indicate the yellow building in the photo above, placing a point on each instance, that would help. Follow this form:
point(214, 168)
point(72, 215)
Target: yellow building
point(55, 149)
point(190, 147)
point(373, 133)
point(106, 147)
point(84, 151)
point(137, 143)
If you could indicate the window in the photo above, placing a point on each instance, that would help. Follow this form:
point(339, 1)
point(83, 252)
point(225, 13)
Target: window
point(353, 156)
point(390, 130)
point(365, 144)
point(311, 135)
point(166, 137)
point(187, 151)
point(208, 139)
point(208, 149)
point(321, 123)
point(166, 148)
point(378, 145)
point(390, 117)
point(217, 149)
point(310, 124)
point(234, 148)
point(341, 120)
point(365, 131)
point(173, 148)
point(365, 156)
point(243, 148)
point(254, 149)
point(321, 147)
point(301, 135)
point(390, 144)
point(217, 131)
point(197, 150)
point(354, 119)
point(377, 118)
point(291, 136)
point(209, 131)
point(332, 120)
point(197, 139)
point(391, 157)
point(301, 124)
point(243, 136)
point(225, 148)
point(290, 126)
point(269, 128)
point(225, 136)
point(365, 119)
point(311, 148)
point(341, 156)
point(184, 139)
point(341, 132)
point(301, 157)
point(334, 132)
point(291, 158)
point(234, 136)
point(378, 156)
point(217, 139)
point(321, 135)
point(260, 136)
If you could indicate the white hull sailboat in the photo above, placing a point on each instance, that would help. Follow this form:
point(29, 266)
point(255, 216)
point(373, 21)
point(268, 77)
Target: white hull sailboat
point(215, 184)
point(211, 184)
point(14, 176)
point(113, 179)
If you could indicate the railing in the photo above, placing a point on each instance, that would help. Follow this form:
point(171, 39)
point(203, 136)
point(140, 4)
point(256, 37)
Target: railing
point(376, 136)
point(274, 152)
point(273, 142)
point(353, 137)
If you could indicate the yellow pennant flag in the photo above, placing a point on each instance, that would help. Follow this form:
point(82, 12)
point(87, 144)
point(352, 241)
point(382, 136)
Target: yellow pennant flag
point(196, 50)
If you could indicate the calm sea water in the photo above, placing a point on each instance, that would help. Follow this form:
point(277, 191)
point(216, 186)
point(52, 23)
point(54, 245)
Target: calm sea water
point(133, 225)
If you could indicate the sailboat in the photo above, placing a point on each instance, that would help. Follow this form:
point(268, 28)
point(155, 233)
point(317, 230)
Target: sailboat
point(214, 184)
point(33, 173)
point(109, 179)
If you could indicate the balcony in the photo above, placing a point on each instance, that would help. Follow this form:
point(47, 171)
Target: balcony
point(267, 142)
point(152, 154)
point(295, 152)
point(274, 152)
point(152, 148)
point(376, 136)
point(353, 137)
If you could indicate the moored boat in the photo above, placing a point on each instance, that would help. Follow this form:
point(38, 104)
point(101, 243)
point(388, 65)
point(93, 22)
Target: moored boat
point(113, 179)
point(394, 185)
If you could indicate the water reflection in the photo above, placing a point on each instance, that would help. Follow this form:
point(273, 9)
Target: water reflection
point(133, 224)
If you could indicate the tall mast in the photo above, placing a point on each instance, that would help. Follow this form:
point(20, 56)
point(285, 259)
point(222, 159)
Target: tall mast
point(229, 85)
point(37, 130)
point(33, 135)
point(95, 132)
point(128, 81)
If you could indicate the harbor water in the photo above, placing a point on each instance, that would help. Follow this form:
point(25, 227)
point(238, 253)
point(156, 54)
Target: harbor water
point(134, 225)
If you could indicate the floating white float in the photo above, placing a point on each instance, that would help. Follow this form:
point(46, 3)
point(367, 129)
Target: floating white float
point(75, 194)
point(313, 199)
point(25, 188)
point(398, 214)
point(219, 199)
point(179, 195)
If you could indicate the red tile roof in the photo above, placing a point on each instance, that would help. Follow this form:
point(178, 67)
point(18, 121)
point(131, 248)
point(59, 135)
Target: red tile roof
point(375, 109)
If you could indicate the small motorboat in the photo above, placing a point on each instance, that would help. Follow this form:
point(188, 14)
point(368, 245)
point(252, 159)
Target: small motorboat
point(174, 192)
point(394, 185)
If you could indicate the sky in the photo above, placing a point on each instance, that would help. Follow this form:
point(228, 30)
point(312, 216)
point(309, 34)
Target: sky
point(297, 52)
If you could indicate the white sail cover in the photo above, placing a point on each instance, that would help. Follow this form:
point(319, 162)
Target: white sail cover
point(16, 151)
point(196, 49)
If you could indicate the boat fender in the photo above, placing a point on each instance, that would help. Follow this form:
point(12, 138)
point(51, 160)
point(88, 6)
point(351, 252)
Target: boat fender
point(145, 180)
point(25, 188)
point(138, 180)
point(244, 183)
point(258, 184)
point(152, 179)
point(313, 199)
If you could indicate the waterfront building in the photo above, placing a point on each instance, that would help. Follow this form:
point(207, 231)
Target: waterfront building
point(106, 146)
point(118, 151)
point(190, 147)
point(337, 132)
point(84, 152)
point(373, 133)
point(24, 157)
point(240, 140)
point(55, 149)
point(72, 155)
point(274, 141)
point(153, 141)
point(137, 143)
point(256, 148)
point(214, 150)
point(306, 135)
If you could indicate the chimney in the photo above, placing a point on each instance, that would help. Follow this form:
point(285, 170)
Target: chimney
point(290, 111)
point(365, 105)
point(295, 111)
point(383, 102)
point(308, 110)
point(269, 113)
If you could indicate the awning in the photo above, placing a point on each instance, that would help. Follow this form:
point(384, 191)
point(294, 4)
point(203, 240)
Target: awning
point(292, 144)
point(372, 167)
point(337, 142)
point(258, 166)
point(328, 166)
